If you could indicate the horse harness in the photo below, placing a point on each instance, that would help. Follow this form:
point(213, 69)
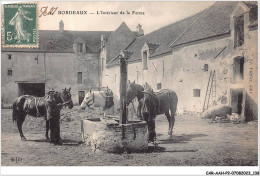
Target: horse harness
point(93, 101)
point(37, 101)
point(65, 102)
point(164, 91)
point(109, 95)
point(93, 98)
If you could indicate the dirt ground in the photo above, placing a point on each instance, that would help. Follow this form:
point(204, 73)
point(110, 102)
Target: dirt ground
point(195, 142)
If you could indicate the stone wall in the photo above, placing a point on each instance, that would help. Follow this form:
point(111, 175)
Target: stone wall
point(61, 72)
point(183, 71)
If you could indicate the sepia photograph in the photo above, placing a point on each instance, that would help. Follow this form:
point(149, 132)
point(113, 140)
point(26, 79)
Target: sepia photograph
point(150, 83)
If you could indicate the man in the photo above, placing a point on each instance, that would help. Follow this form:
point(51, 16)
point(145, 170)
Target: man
point(53, 116)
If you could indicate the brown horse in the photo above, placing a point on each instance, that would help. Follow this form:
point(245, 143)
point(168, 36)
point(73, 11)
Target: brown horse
point(36, 107)
point(135, 90)
point(155, 103)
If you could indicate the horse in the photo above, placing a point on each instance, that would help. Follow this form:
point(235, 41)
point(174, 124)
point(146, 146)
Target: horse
point(155, 103)
point(36, 107)
point(135, 90)
point(103, 98)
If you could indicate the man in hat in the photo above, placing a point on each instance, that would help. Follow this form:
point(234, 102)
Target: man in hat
point(53, 116)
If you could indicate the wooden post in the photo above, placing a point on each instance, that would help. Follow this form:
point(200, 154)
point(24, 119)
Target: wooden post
point(123, 83)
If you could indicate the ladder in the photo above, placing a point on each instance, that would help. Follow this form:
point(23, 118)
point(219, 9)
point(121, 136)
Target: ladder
point(211, 89)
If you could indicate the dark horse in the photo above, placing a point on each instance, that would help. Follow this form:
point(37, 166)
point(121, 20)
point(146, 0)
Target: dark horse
point(135, 90)
point(155, 103)
point(36, 107)
point(149, 113)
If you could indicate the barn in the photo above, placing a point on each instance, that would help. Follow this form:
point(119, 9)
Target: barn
point(209, 58)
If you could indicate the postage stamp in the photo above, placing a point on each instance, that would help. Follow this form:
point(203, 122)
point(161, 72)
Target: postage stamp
point(20, 25)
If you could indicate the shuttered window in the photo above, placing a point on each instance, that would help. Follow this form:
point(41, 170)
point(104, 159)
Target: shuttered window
point(103, 64)
point(239, 31)
point(196, 92)
point(80, 47)
point(159, 86)
point(238, 70)
point(79, 77)
point(145, 67)
point(206, 67)
point(10, 72)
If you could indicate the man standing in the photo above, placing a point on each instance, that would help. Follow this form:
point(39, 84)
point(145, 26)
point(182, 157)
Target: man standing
point(53, 116)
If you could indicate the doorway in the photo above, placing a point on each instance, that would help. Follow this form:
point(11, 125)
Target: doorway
point(35, 89)
point(81, 96)
point(237, 97)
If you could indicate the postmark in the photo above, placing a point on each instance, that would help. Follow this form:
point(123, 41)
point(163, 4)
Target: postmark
point(20, 25)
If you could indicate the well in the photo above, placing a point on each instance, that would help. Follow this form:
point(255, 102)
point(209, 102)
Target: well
point(116, 134)
point(115, 137)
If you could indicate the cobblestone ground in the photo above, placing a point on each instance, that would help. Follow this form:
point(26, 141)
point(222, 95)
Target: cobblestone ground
point(195, 142)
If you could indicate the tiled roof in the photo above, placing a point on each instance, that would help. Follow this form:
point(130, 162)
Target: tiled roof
point(119, 40)
point(210, 22)
point(63, 42)
point(214, 22)
point(165, 36)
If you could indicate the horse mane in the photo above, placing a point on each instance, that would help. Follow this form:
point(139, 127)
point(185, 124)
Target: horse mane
point(140, 90)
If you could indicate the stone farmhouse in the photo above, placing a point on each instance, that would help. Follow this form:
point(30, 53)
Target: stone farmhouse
point(64, 59)
point(208, 58)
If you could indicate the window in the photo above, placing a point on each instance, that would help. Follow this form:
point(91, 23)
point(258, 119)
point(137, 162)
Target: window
point(145, 60)
point(206, 67)
point(103, 64)
point(163, 69)
point(9, 56)
point(239, 31)
point(10, 72)
point(196, 92)
point(102, 45)
point(80, 47)
point(159, 86)
point(238, 73)
point(79, 77)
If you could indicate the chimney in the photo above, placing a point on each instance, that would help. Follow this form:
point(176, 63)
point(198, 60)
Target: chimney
point(140, 31)
point(61, 25)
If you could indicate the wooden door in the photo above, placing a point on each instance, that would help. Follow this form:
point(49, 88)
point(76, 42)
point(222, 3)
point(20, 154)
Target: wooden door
point(81, 96)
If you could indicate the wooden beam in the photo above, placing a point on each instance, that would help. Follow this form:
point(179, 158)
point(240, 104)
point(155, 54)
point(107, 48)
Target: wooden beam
point(124, 56)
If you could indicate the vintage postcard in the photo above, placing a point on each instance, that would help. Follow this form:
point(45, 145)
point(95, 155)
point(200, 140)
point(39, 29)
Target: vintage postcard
point(130, 84)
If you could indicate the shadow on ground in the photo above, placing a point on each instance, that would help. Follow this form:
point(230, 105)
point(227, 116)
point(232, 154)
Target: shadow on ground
point(158, 149)
point(180, 139)
point(70, 142)
point(67, 142)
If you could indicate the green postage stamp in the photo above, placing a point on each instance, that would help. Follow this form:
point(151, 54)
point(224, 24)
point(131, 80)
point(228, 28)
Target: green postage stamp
point(20, 25)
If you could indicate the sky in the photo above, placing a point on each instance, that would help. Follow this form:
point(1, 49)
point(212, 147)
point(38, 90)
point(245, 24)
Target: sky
point(156, 14)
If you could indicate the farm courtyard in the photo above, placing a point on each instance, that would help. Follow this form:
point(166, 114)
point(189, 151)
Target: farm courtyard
point(195, 142)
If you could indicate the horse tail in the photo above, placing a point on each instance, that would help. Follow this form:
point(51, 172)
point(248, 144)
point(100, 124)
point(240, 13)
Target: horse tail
point(17, 106)
point(14, 115)
point(174, 99)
